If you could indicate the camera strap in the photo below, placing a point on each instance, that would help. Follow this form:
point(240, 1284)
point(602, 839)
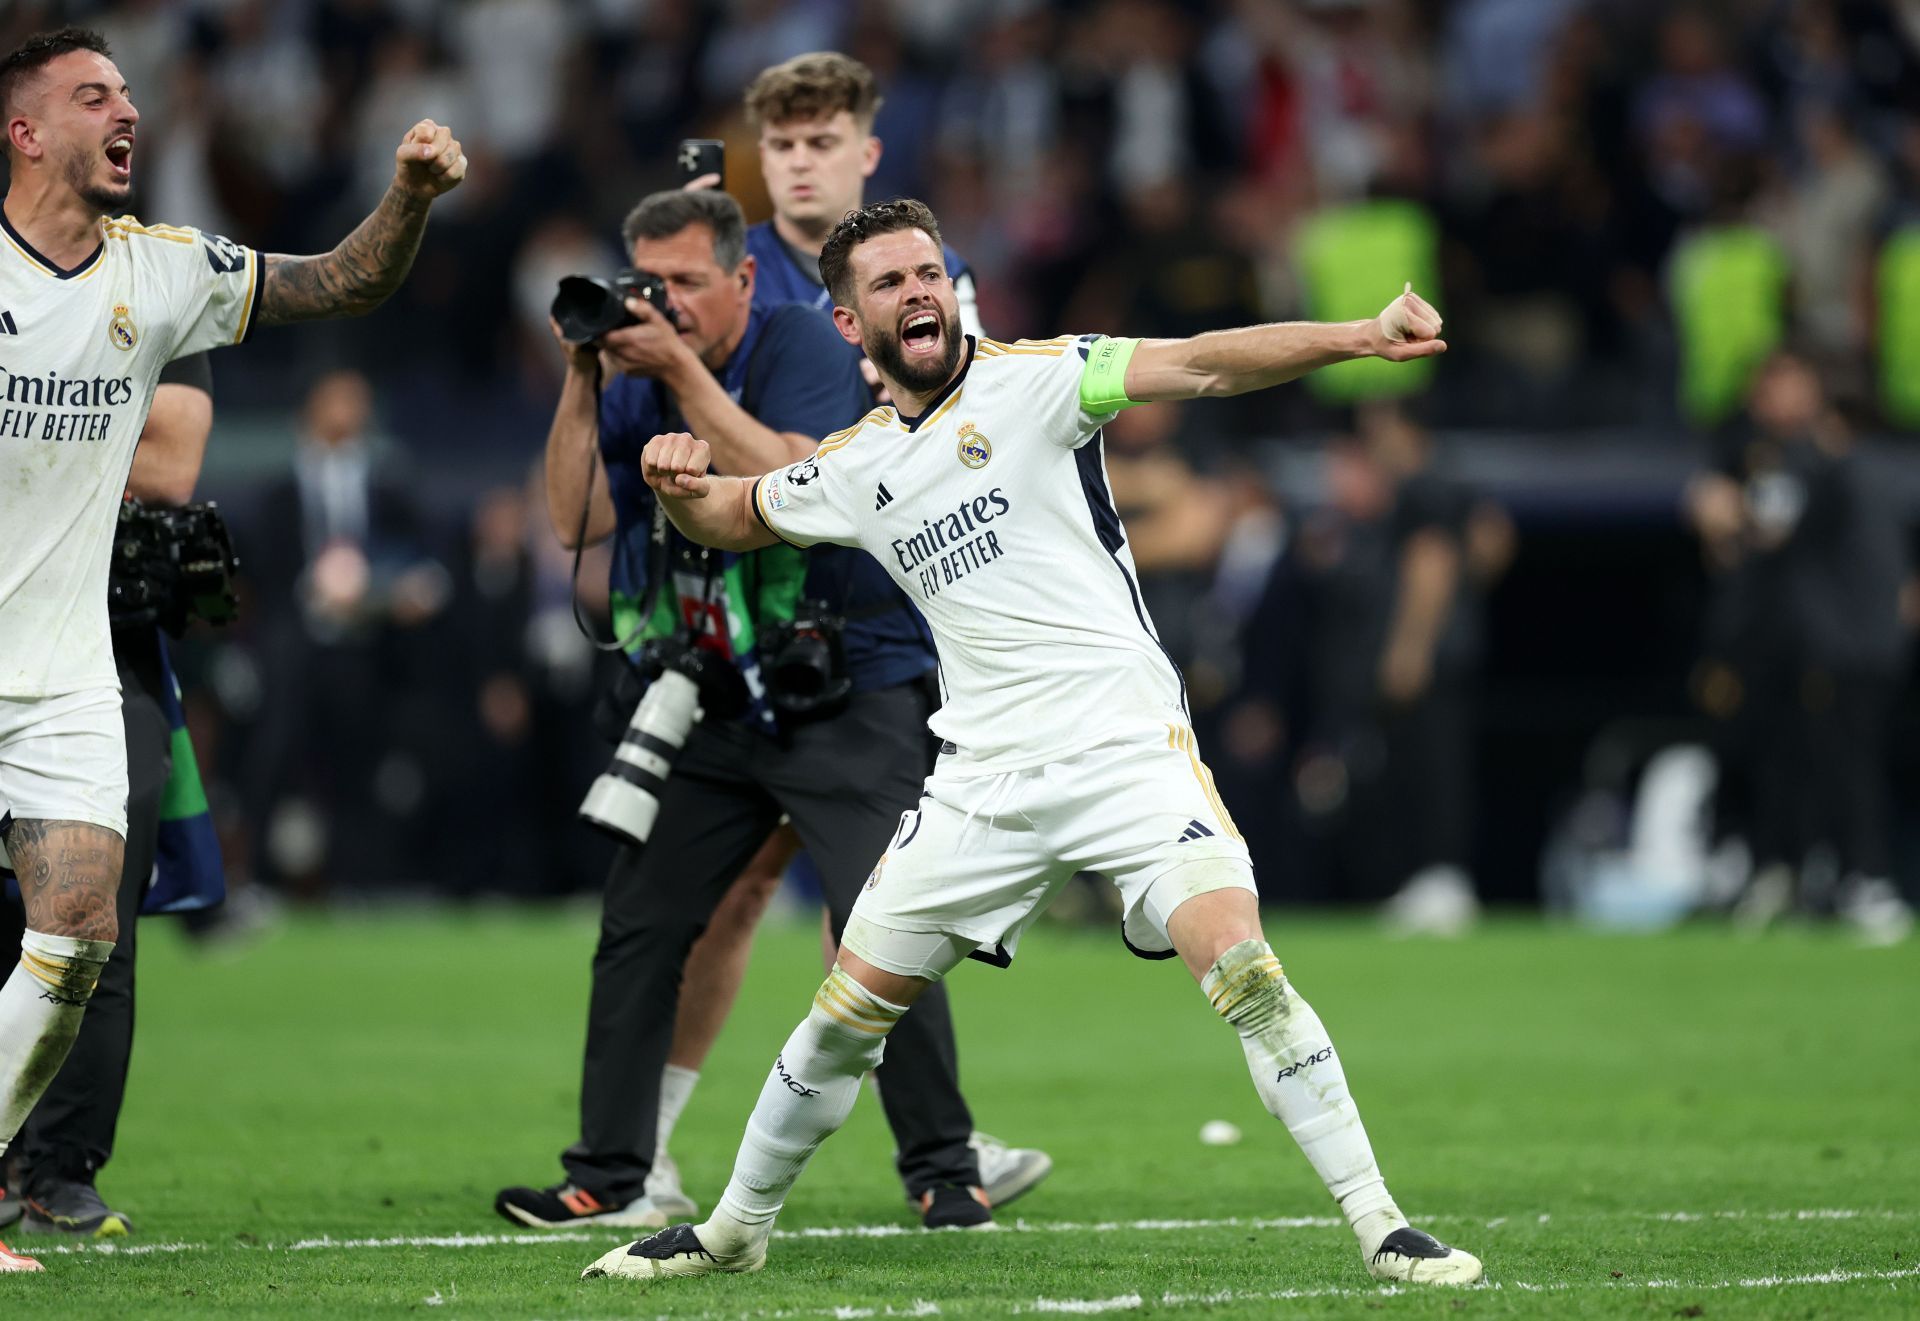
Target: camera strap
point(659, 558)
point(656, 549)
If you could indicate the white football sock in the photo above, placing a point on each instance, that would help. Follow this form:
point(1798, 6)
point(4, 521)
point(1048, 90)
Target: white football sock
point(808, 1095)
point(1300, 1080)
point(40, 1009)
point(676, 1085)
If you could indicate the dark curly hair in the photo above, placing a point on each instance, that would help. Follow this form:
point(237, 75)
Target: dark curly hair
point(869, 222)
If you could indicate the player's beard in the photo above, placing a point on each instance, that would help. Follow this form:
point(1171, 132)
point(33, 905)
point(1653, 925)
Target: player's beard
point(916, 374)
point(105, 198)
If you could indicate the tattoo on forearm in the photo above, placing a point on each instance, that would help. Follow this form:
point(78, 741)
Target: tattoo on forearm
point(69, 874)
point(353, 279)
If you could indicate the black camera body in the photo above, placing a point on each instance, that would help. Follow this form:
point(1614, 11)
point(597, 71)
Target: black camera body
point(587, 307)
point(171, 566)
point(806, 662)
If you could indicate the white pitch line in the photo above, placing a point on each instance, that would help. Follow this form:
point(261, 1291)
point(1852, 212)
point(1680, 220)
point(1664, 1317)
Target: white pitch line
point(1133, 1302)
point(816, 1232)
point(440, 1241)
point(111, 1249)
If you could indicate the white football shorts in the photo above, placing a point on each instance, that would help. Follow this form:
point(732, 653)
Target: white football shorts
point(65, 758)
point(983, 854)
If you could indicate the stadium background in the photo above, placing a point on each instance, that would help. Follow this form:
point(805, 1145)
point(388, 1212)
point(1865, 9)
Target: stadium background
point(1542, 168)
point(1691, 1124)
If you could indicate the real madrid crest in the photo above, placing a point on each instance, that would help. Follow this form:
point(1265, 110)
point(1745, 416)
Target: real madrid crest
point(974, 448)
point(120, 330)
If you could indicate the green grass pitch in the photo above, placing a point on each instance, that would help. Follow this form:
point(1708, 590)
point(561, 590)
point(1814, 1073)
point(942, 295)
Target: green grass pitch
point(1684, 1125)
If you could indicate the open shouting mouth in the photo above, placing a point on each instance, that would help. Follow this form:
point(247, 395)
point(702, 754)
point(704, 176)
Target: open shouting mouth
point(119, 151)
point(921, 334)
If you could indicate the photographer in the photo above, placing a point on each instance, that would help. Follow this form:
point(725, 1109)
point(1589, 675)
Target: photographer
point(69, 1136)
point(829, 733)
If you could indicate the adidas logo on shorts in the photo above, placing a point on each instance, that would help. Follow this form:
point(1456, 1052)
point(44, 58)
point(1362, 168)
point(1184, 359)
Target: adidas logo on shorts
point(1194, 830)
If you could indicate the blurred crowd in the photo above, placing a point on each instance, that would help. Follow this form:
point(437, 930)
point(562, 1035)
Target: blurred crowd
point(1626, 209)
point(1565, 173)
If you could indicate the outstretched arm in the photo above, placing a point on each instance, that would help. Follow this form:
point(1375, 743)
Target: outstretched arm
point(714, 511)
point(1226, 362)
point(370, 263)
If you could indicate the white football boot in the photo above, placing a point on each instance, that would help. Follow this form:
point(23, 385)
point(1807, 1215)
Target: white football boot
point(673, 1251)
point(1412, 1256)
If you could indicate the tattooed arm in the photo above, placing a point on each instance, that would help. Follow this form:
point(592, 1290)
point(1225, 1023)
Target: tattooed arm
point(370, 263)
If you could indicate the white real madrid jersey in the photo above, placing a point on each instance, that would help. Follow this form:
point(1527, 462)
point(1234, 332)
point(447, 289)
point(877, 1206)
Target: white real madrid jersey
point(992, 511)
point(80, 353)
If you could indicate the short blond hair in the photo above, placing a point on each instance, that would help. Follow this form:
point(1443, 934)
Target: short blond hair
point(812, 86)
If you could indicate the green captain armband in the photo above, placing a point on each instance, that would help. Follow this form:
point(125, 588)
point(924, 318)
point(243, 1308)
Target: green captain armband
point(1103, 385)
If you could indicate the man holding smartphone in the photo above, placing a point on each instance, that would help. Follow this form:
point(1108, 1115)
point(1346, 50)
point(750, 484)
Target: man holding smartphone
point(814, 115)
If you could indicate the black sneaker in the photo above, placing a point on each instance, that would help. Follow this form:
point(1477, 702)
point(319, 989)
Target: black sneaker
point(71, 1206)
point(567, 1204)
point(955, 1206)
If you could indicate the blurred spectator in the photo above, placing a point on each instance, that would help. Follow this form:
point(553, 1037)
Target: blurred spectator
point(1394, 569)
point(1450, 547)
point(1827, 220)
point(1808, 646)
point(345, 583)
point(521, 753)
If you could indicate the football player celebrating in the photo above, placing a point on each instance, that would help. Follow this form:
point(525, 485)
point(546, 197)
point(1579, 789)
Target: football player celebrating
point(814, 115)
point(93, 308)
point(1067, 745)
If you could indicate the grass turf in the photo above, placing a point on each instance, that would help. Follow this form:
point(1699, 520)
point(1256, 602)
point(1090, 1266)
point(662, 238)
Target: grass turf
point(1683, 1125)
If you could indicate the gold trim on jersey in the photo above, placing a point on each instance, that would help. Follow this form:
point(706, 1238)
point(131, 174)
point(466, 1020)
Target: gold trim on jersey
point(1042, 348)
point(256, 277)
point(1181, 739)
point(841, 439)
point(944, 409)
point(121, 226)
point(83, 271)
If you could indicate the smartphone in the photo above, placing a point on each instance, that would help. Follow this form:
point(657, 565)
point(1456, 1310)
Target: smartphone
point(700, 156)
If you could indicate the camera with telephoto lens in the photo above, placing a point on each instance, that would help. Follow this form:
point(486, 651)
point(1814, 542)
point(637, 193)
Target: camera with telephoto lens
point(684, 684)
point(806, 662)
point(587, 307)
point(171, 566)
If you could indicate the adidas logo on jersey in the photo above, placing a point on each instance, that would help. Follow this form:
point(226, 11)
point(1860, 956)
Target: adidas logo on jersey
point(7, 327)
point(1194, 830)
point(882, 498)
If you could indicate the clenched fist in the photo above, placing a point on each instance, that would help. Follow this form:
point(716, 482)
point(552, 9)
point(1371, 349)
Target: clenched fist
point(676, 464)
point(429, 161)
point(1408, 328)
